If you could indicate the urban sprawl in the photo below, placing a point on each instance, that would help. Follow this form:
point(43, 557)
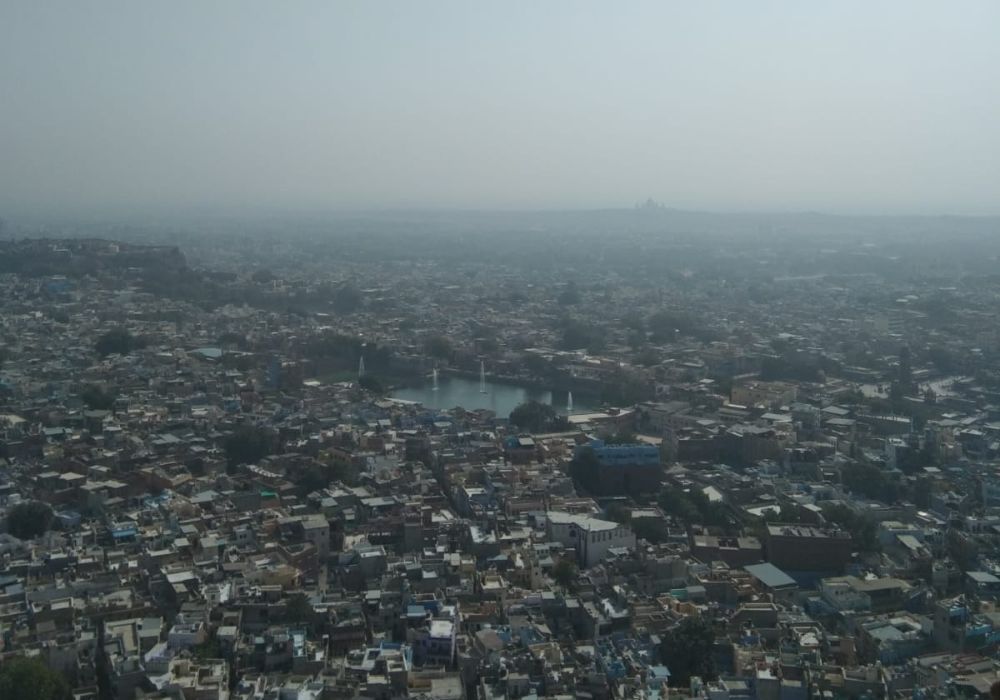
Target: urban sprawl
point(744, 466)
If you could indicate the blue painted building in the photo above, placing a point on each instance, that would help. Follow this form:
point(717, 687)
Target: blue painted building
point(631, 468)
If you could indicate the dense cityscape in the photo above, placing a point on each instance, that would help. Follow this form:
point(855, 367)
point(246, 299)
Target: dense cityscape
point(601, 455)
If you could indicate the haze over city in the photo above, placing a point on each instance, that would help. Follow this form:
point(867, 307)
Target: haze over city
point(499, 351)
point(846, 107)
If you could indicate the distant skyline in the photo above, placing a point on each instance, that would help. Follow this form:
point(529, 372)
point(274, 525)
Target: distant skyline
point(845, 108)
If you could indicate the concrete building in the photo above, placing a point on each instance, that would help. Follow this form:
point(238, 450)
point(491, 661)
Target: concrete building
point(591, 538)
point(808, 549)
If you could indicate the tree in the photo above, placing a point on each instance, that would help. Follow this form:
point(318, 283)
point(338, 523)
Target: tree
point(537, 417)
point(585, 467)
point(209, 649)
point(618, 512)
point(625, 388)
point(371, 383)
point(298, 610)
point(870, 481)
point(117, 341)
point(29, 519)
point(565, 572)
point(650, 529)
point(95, 398)
point(863, 531)
point(313, 478)
point(943, 359)
point(687, 651)
point(438, 346)
point(676, 503)
point(694, 507)
point(31, 679)
point(647, 357)
point(247, 444)
point(538, 366)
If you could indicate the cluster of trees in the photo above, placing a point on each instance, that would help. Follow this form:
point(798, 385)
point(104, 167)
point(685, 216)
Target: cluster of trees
point(319, 476)
point(211, 648)
point(335, 351)
point(619, 513)
point(298, 610)
point(870, 481)
point(625, 389)
point(117, 341)
point(585, 468)
point(369, 382)
point(652, 530)
point(576, 334)
point(565, 573)
point(313, 478)
point(540, 367)
point(693, 506)
point(537, 417)
point(687, 651)
point(647, 357)
point(249, 444)
point(797, 367)
point(96, 398)
point(438, 346)
point(863, 531)
point(29, 519)
point(30, 679)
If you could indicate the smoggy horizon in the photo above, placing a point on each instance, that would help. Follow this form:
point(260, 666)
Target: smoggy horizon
point(117, 109)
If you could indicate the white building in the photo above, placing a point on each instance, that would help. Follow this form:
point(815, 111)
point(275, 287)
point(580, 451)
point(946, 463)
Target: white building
point(590, 537)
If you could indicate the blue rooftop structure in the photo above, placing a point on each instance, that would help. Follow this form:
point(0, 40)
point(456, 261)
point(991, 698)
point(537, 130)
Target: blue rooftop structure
point(627, 454)
point(124, 531)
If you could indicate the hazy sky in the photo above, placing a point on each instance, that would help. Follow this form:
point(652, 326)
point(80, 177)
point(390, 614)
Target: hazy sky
point(869, 106)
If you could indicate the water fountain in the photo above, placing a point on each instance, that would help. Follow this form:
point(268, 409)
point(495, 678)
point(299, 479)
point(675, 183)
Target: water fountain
point(361, 367)
point(482, 377)
point(569, 403)
point(434, 378)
